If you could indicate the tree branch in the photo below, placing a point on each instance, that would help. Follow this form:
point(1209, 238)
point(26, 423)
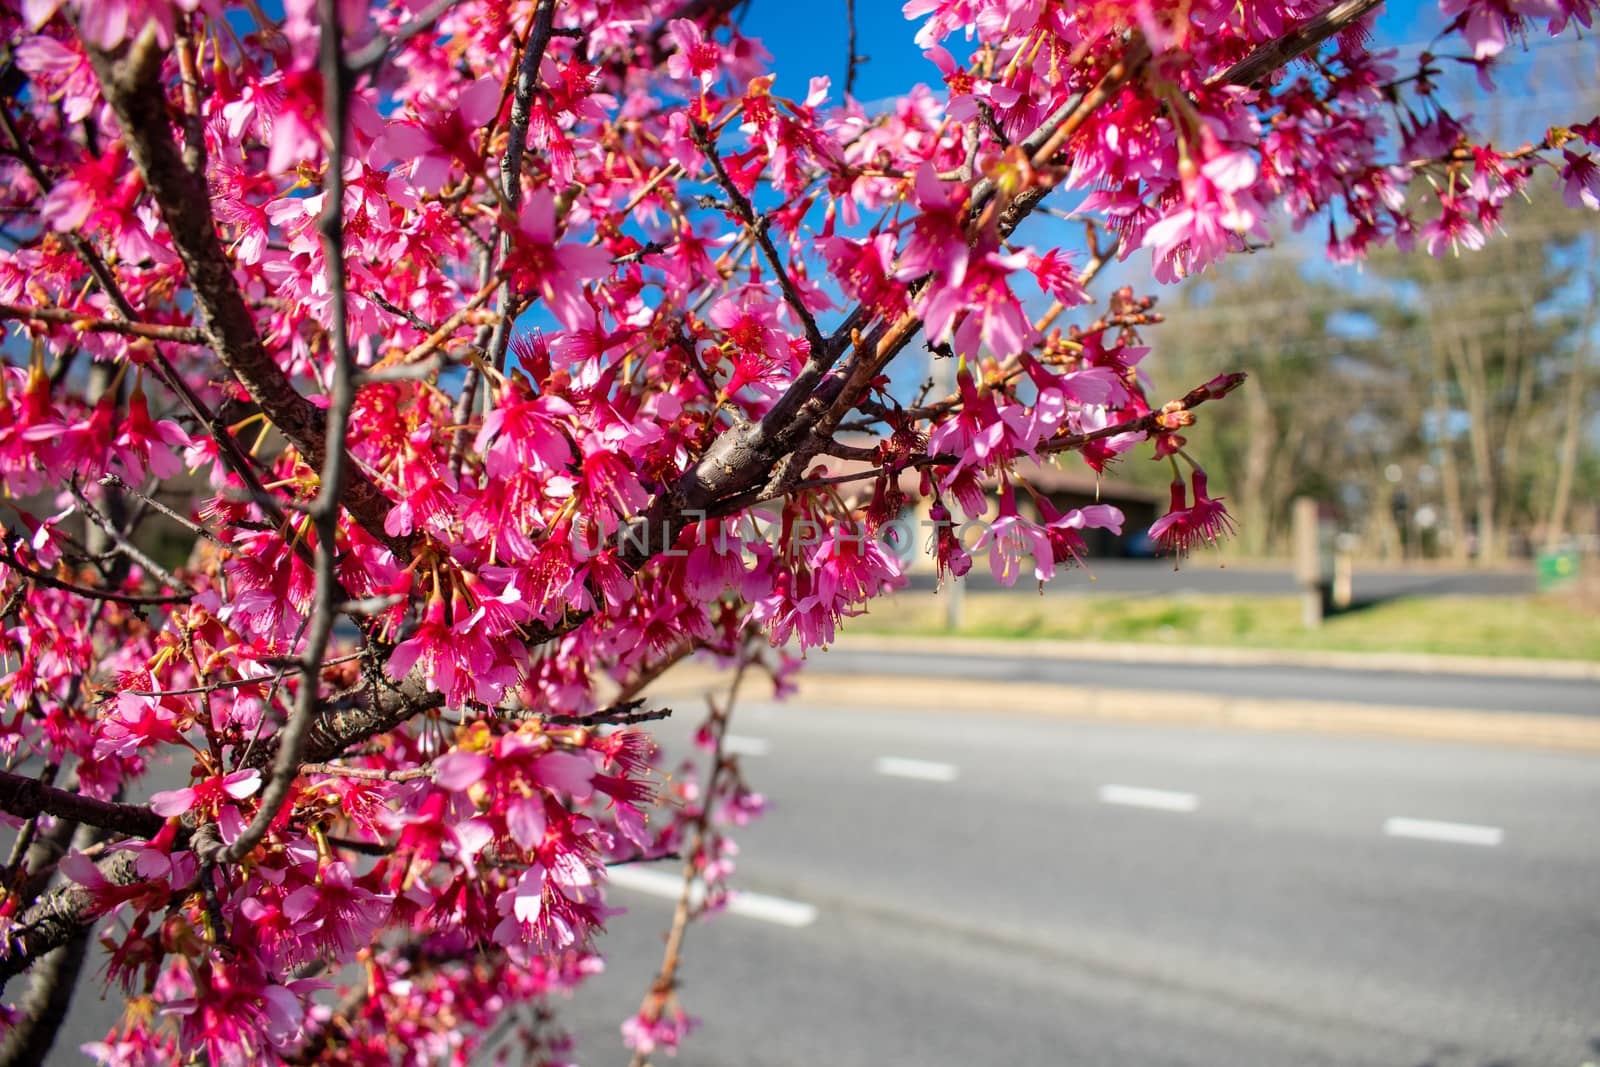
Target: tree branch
point(26, 797)
point(757, 226)
point(187, 335)
point(133, 88)
point(57, 918)
point(51, 985)
point(130, 599)
point(126, 546)
point(511, 169)
point(324, 509)
point(1297, 42)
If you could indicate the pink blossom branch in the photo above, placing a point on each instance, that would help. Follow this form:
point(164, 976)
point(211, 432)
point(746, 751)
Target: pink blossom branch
point(666, 981)
point(187, 335)
point(132, 86)
point(758, 226)
point(1296, 43)
point(324, 510)
point(227, 447)
point(533, 50)
point(1171, 416)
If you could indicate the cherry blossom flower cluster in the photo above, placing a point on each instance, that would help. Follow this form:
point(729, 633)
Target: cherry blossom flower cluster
point(393, 390)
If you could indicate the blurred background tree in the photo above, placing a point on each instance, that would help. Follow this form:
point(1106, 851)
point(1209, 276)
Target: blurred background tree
point(1443, 405)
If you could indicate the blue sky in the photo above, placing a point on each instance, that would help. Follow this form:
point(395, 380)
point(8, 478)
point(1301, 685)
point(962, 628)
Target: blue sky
point(809, 38)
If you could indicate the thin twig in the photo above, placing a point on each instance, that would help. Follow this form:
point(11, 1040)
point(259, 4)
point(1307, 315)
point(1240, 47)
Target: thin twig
point(115, 482)
point(666, 979)
point(130, 599)
point(511, 164)
point(622, 713)
point(757, 227)
point(851, 58)
point(324, 510)
point(127, 547)
point(370, 57)
point(187, 335)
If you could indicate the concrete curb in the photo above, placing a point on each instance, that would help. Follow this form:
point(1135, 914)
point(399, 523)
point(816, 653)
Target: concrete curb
point(1129, 652)
point(974, 699)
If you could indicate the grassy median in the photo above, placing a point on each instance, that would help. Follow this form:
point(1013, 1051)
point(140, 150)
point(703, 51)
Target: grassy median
point(1542, 627)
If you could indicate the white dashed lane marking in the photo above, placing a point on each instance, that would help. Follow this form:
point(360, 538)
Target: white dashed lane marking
point(739, 745)
point(921, 769)
point(1455, 833)
point(1134, 796)
point(759, 906)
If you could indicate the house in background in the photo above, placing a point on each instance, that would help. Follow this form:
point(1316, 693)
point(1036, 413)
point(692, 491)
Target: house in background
point(1064, 488)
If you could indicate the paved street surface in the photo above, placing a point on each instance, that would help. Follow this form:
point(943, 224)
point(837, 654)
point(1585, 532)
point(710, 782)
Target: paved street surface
point(938, 888)
point(1156, 577)
point(1432, 690)
point(1025, 891)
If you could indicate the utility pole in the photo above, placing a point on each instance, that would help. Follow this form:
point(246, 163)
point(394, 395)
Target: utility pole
point(943, 374)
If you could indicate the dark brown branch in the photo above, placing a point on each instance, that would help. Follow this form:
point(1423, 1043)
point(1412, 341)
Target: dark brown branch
point(511, 169)
point(132, 86)
point(187, 335)
point(758, 225)
point(336, 78)
point(622, 713)
point(57, 918)
point(27, 797)
point(130, 599)
point(1297, 42)
point(42, 1011)
point(851, 57)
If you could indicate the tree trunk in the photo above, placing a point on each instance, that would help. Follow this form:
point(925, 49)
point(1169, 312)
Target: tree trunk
point(1261, 442)
point(1449, 472)
point(1567, 458)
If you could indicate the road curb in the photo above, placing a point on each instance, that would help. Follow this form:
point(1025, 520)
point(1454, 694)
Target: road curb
point(1129, 652)
point(974, 698)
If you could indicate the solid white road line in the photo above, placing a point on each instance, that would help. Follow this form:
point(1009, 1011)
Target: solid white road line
point(921, 769)
point(1137, 797)
point(1456, 833)
point(759, 906)
point(739, 745)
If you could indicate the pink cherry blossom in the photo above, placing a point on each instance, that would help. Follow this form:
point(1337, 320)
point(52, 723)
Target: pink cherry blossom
point(208, 794)
point(429, 497)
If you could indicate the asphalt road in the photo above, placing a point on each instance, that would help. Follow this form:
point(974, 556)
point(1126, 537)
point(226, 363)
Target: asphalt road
point(1432, 690)
point(1013, 889)
point(1203, 574)
point(1026, 891)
